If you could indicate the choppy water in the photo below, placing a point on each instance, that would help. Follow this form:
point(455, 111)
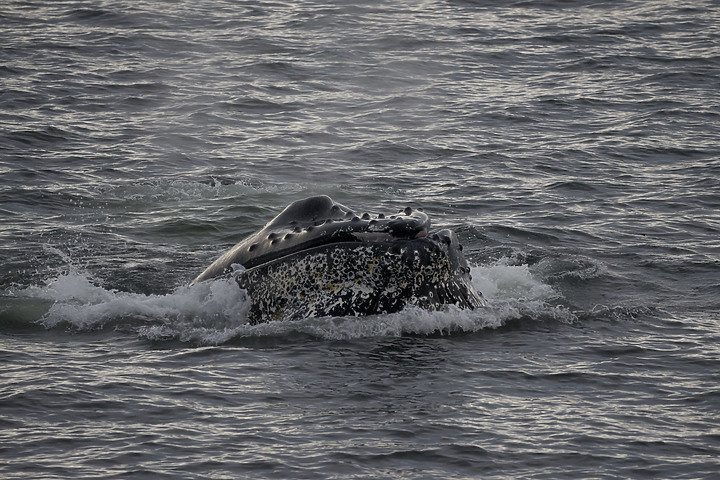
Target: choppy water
point(572, 145)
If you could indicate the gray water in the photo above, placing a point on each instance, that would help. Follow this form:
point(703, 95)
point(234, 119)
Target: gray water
point(572, 145)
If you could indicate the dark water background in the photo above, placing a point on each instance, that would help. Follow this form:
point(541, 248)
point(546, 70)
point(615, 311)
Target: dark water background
point(573, 145)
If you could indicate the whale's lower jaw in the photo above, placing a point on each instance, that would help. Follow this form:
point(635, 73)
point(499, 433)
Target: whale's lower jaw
point(356, 279)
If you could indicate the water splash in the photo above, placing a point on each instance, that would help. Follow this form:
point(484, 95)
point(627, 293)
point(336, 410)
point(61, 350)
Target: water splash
point(514, 292)
point(501, 281)
point(215, 312)
point(79, 304)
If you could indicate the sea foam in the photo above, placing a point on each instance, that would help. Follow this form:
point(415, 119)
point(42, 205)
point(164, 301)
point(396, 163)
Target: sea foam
point(215, 311)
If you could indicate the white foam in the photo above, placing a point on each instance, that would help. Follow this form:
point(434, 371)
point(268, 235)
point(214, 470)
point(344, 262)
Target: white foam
point(411, 320)
point(215, 312)
point(502, 281)
point(80, 304)
point(512, 291)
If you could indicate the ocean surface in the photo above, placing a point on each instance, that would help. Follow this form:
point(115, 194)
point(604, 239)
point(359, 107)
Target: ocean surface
point(572, 145)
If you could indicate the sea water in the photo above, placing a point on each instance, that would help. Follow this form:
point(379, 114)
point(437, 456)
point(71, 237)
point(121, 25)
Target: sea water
point(573, 146)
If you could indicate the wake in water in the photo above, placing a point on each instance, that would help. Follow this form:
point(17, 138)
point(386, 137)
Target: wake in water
point(215, 312)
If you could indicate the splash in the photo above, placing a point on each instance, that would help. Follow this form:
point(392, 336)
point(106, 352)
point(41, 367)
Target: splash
point(215, 312)
point(501, 281)
point(512, 292)
point(212, 309)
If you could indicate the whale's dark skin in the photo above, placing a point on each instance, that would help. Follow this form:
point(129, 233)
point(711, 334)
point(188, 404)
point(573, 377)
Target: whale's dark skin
point(318, 258)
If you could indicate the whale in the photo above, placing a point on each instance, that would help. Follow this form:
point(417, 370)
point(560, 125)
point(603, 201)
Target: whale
point(319, 258)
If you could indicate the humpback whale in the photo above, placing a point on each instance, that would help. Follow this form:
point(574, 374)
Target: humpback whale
point(318, 258)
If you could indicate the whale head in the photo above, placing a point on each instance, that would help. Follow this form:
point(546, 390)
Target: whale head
point(318, 257)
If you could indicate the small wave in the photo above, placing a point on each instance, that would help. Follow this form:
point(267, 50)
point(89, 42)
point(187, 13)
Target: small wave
point(617, 313)
point(208, 186)
point(39, 138)
point(569, 268)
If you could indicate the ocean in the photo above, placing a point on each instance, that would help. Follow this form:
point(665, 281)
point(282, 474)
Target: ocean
point(571, 145)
